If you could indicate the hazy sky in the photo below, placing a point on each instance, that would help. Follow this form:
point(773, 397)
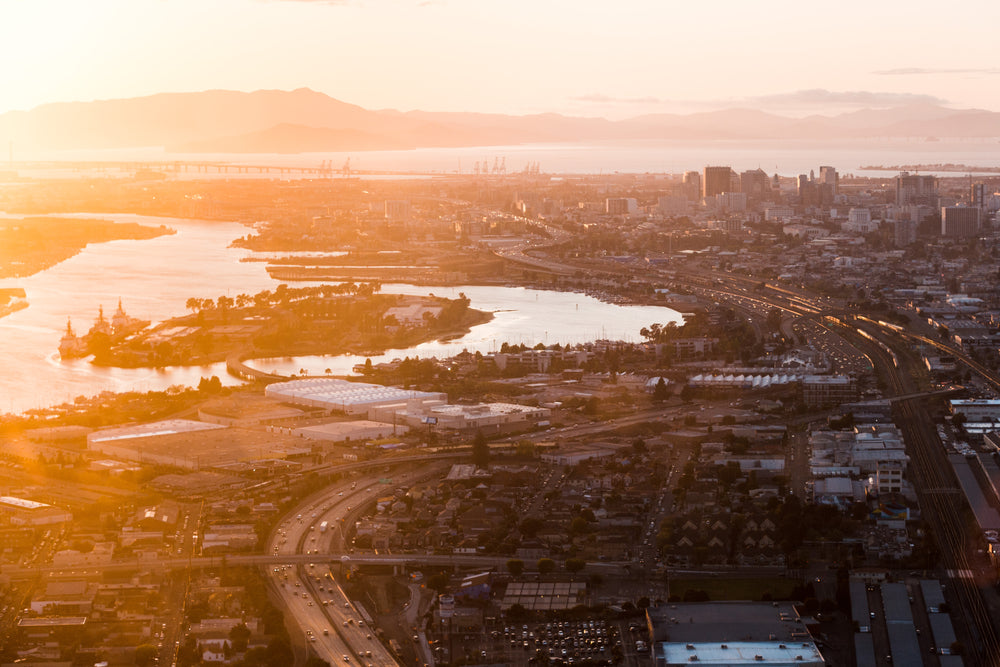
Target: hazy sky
point(583, 57)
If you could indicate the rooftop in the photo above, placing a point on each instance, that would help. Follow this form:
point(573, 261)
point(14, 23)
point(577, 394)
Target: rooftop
point(21, 503)
point(51, 621)
point(335, 393)
point(167, 427)
point(717, 622)
point(739, 653)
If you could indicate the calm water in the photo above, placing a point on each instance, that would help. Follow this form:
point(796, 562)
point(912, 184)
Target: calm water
point(520, 316)
point(786, 158)
point(155, 278)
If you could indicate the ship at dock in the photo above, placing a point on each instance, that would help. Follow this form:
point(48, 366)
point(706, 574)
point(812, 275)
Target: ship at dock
point(103, 332)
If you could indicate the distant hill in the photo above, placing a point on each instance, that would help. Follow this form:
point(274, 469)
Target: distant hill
point(274, 121)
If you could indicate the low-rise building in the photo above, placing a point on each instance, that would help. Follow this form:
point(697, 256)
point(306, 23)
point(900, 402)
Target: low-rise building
point(24, 512)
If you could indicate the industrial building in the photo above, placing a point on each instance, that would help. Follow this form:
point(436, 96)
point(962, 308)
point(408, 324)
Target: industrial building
point(730, 633)
point(570, 456)
point(818, 390)
point(194, 445)
point(150, 430)
point(22, 512)
point(352, 431)
point(490, 418)
point(353, 398)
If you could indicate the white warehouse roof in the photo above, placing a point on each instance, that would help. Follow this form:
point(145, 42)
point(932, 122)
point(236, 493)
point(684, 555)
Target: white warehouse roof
point(335, 394)
point(152, 429)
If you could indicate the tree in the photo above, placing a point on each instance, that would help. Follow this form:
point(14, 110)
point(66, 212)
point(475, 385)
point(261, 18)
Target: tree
point(515, 566)
point(687, 393)
point(145, 654)
point(240, 636)
point(480, 451)
point(525, 448)
point(530, 526)
point(575, 565)
point(660, 391)
point(546, 566)
point(279, 653)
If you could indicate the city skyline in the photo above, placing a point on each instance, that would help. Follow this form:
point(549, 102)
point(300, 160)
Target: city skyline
point(598, 60)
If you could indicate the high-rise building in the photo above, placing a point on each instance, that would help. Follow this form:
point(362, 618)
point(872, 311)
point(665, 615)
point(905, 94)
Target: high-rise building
point(904, 233)
point(692, 185)
point(959, 221)
point(916, 189)
point(716, 181)
point(735, 202)
point(829, 176)
point(620, 206)
point(807, 191)
point(977, 194)
point(755, 184)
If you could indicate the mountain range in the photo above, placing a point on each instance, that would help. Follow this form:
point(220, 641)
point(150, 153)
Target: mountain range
point(275, 121)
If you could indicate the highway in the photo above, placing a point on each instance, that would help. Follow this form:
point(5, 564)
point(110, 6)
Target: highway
point(331, 624)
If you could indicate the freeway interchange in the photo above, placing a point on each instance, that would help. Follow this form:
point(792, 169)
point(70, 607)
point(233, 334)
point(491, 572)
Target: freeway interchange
point(336, 630)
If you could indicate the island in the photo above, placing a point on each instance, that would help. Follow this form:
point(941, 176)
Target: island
point(346, 318)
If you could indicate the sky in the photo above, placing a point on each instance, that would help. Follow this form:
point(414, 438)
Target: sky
point(615, 59)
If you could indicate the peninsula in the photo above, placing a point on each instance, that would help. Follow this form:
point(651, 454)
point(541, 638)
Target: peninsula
point(30, 245)
point(348, 318)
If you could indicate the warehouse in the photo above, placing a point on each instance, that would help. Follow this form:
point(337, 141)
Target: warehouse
point(21, 512)
point(353, 398)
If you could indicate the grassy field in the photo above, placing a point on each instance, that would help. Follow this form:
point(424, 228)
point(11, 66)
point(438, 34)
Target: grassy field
point(722, 588)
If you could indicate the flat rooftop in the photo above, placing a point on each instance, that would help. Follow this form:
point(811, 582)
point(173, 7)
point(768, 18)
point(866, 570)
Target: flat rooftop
point(204, 448)
point(52, 622)
point(722, 622)
point(358, 429)
point(21, 503)
point(740, 653)
point(166, 427)
point(341, 394)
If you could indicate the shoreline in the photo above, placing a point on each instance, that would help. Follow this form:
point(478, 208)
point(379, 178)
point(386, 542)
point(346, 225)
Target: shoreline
point(232, 348)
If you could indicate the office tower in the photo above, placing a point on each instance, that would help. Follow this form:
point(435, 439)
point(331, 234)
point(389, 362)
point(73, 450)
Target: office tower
point(916, 189)
point(959, 221)
point(755, 184)
point(692, 185)
point(829, 176)
point(716, 181)
point(620, 206)
point(977, 194)
point(808, 191)
point(904, 232)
